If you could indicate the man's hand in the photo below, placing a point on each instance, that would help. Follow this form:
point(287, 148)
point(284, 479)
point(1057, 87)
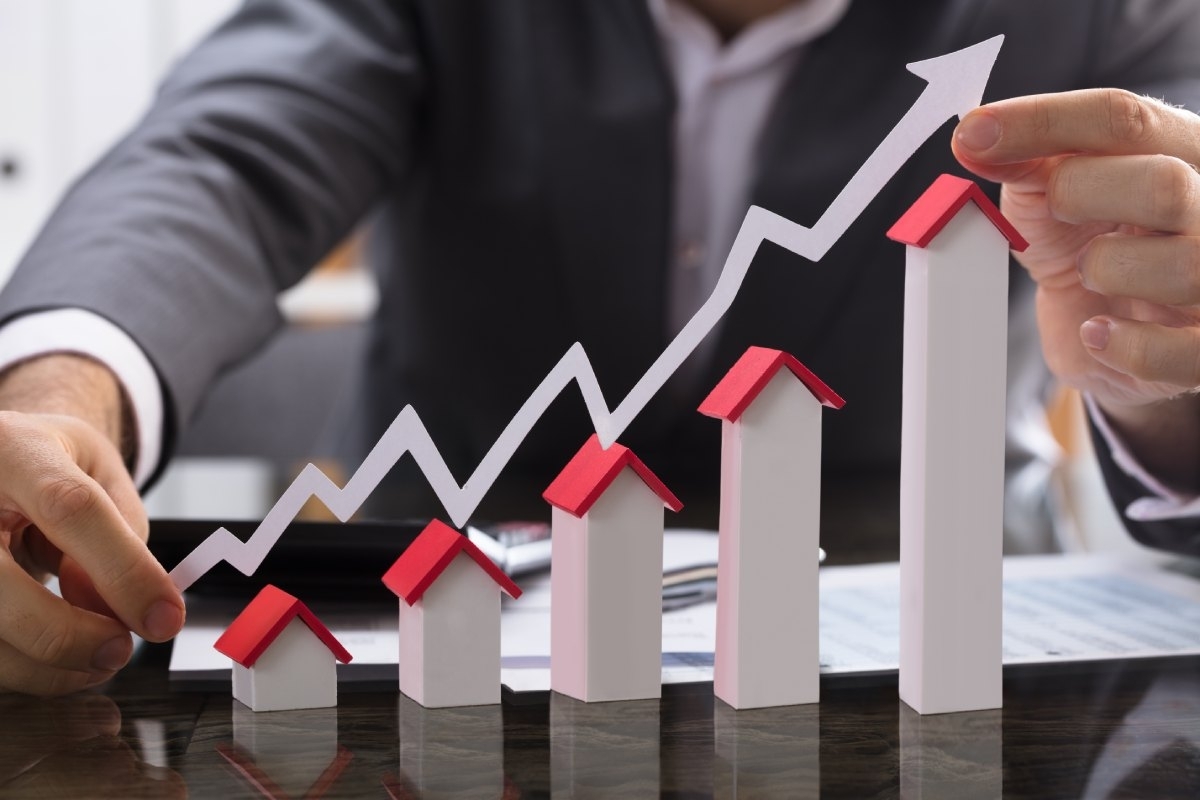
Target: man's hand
point(68, 506)
point(1103, 184)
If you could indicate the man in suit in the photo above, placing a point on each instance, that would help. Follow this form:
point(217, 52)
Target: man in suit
point(543, 172)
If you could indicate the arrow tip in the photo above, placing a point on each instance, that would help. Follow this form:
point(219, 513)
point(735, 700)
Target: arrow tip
point(961, 76)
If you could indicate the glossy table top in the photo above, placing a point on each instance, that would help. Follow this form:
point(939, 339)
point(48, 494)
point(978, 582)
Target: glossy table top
point(1120, 729)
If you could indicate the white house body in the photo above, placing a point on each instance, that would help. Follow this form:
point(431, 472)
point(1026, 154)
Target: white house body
point(449, 619)
point(952, 462)
point(297, 671)
point(450, 640)
point(283, 656)
point(767, 599)
point(767, 649)
point(606, 577)
point(606, 585)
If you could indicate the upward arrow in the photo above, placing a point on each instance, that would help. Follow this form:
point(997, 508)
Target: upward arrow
point(956, 84)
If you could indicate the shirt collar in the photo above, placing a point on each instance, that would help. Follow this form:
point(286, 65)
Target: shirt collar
point(760, 43)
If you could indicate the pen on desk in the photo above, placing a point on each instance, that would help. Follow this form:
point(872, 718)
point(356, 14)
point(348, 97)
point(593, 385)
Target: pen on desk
point(691, 585)
point(517, 547)
point(523, 547)
point(688, 586)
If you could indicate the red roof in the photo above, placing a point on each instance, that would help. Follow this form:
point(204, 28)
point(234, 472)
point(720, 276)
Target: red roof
point(921, 224)
point(750, 375)
point(590, 472)
point(264, 619)
point(430, 553)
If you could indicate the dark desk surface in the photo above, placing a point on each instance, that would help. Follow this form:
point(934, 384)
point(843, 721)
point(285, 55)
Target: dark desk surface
point(1106, 731)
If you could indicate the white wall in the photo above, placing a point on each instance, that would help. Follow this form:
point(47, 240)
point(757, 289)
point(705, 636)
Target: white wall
point(74, 74)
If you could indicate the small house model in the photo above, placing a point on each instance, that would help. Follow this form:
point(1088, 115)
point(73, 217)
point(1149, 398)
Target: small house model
point(767, 590)
point(606, 575)
point(283, 656)
point(449, 619)
point(952, 447)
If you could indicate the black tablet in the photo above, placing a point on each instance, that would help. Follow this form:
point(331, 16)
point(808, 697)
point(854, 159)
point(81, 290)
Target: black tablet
point(319, 561)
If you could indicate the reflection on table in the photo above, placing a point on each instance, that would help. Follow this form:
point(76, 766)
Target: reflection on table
point(1115, 729)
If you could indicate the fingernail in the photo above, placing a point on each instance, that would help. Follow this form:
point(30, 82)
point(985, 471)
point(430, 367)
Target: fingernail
point(1080, 260)
point(163, 620)
point(113, 654)
point(1095, 333)
point(980, 131)
point(1083, 278)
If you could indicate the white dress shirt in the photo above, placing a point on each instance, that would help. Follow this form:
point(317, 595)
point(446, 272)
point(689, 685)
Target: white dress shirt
point(73, 330)
point(724, 92)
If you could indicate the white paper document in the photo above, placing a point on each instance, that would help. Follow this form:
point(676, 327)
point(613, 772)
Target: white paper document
point(1056, 609)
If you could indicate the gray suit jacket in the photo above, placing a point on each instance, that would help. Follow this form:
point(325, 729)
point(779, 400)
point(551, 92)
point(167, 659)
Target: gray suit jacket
point(516, 157)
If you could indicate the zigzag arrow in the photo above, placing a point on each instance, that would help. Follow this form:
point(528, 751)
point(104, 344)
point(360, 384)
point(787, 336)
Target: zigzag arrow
point(956, 83)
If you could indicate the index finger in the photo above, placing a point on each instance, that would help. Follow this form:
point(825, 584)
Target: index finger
point(1095, 121)
point(72, 510)
point(75, 512)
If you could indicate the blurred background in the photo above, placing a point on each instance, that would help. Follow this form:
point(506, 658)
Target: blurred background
point(76, 74)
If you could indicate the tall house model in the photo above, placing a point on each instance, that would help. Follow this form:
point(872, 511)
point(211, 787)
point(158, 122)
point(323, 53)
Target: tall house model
point(449, 619)
point(606, 576)
point(952, 442)
point(767, 591)
point(283, 656)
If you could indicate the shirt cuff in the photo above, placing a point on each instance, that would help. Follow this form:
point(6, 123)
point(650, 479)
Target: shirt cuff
point(1164, 503)
point(74, 330)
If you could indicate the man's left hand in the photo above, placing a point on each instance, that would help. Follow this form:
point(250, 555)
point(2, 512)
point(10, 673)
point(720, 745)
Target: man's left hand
point(1103, 184)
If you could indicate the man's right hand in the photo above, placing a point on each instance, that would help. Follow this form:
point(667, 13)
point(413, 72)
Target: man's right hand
point(68, 506)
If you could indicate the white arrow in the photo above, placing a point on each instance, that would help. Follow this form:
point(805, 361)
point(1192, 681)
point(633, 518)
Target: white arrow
point(956, 84)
